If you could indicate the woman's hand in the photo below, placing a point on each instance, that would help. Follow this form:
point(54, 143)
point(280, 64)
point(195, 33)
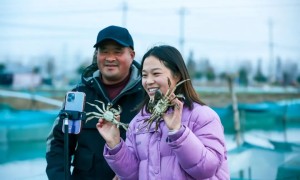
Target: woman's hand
point(173, 119)
point(109, 132)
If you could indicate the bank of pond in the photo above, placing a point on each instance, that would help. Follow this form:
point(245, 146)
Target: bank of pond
point(269, 148)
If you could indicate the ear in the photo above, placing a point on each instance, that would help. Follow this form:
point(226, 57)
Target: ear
point(177, 77)
point(132, 53)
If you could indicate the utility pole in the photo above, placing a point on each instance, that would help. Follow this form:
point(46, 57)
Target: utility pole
point(182, 12)
point(124, 12)
point(236, 115)
point(271, 53)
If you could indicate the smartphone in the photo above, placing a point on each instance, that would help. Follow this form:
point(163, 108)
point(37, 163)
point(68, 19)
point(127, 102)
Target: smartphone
point(74, 106)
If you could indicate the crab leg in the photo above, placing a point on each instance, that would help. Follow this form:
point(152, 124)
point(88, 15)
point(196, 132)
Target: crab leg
point(168, 91)
point(156, 125)
point(109, 105)
point(120, 124)
point(181, 82)
point(125, 126)
point(94, 113)
point(117, 112)
point(92, 117)
point(103, 105)
point(96, 107)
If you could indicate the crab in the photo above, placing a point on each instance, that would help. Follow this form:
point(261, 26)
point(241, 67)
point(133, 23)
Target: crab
point(107, 113)
point(160, 104)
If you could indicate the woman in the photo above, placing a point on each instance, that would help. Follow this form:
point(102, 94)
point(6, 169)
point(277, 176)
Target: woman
point(189, 141)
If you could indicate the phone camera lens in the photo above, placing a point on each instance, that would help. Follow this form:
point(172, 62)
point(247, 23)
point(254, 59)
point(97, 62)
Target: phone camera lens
point(71, 97)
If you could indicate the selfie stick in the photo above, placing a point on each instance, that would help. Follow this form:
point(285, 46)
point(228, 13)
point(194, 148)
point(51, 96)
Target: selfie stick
point(67, 115)
point(64, 115)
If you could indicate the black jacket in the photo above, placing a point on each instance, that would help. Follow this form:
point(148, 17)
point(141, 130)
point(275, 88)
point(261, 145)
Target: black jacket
point(87, 146)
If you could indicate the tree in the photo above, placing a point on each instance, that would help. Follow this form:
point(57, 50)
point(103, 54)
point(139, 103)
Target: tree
point(210, 74)
point(223, 76)
point(82, 66)
point(198, 75)
point(259, 77)
point(243, 77)
point(36, 70)
point(191, 65)
point(298, 79)
point(50, 66)
point(2, 67)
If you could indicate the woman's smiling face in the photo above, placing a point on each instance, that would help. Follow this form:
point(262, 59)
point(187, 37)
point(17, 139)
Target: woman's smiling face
point(155, 76)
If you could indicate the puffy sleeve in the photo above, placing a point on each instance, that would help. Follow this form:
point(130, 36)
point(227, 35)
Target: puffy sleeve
point(200, 149)
point(122, 159)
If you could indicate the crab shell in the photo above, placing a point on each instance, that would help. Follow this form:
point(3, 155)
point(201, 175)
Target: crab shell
point(109, 116)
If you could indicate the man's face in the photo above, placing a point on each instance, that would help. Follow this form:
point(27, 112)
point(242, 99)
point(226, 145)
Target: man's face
point(114, 61)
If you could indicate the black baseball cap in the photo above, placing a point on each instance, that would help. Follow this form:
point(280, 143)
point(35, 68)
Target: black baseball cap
point(116, 33)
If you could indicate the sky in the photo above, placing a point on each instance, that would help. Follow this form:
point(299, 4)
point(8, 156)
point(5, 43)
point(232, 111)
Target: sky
point(228, 32)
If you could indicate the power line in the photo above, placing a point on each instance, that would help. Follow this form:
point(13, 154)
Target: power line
point(43, 27)
point(57, 13)
point(290, 5)
point(163, 10)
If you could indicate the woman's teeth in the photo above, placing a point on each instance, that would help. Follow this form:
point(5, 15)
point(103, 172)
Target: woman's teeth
point(152, 89)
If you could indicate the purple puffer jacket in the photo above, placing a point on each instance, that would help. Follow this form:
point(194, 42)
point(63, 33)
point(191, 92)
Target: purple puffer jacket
point(197, 152)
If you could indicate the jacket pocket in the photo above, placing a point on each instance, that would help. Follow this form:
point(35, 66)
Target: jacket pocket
point(142, 138)
point(83, 159)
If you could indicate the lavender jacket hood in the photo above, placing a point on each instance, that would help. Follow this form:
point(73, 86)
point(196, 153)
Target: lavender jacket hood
point(196, 152)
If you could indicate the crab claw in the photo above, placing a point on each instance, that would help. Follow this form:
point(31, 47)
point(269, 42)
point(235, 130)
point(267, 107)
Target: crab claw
point(158, 95)
point(180, 97)
point(169, 82)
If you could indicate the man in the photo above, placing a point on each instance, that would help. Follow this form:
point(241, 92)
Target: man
point(115, 79)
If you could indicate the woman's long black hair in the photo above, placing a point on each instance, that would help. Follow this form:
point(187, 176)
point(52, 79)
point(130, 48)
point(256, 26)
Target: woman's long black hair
point(173, 60)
